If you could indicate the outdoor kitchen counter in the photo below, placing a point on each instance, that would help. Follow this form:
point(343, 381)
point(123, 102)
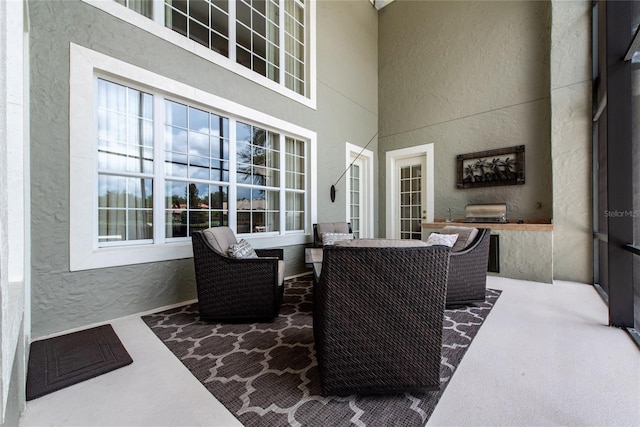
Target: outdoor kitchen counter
point(525, 251)
point(526, 226)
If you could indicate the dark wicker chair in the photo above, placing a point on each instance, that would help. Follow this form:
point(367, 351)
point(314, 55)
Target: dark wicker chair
point(468, 271)
point(378, 319)
point(329, 227)
point(237, 290)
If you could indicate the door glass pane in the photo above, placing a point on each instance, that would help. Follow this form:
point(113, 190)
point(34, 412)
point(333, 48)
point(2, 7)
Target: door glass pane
point(354, 181)
point(410, 202)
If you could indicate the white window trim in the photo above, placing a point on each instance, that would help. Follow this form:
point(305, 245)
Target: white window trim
point(84, 254)
point(392, 185)
point(122, 12)
point(354, 152)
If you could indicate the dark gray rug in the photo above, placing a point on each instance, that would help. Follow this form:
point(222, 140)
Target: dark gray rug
point(266, 373)
point(58, 362)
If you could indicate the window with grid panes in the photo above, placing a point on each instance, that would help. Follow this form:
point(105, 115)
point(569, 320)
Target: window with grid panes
point(295, 184)
point(193, 184)
point(125, 164)
point(269, 37)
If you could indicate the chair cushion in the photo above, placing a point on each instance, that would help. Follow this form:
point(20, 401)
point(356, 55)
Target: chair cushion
point(242, 249)
point(280, 272)
point(442, 239)
point(329, 239)
point(220, 238)
point(332, 227)
point(466, 235)
point(381, 243)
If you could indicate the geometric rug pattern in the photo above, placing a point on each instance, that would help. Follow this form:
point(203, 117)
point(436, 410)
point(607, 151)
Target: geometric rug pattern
point(266, 374)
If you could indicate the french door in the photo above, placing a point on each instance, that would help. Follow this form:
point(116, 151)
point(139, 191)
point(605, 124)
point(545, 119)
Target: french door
point(410, 191)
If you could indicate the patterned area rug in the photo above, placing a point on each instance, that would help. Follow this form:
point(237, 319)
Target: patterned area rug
point(266, 373)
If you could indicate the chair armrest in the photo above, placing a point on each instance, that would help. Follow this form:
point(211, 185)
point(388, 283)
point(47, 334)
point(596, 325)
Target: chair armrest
point(270, 253)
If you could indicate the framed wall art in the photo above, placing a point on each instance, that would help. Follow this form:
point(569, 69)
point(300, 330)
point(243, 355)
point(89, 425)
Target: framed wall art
point(504, 166)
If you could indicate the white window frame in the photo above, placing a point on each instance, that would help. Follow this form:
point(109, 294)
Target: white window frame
point(134, 18)
point(84, 253)
point(354, 152)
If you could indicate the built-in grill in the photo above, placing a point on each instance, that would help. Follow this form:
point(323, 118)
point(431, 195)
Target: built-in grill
point(489, 213)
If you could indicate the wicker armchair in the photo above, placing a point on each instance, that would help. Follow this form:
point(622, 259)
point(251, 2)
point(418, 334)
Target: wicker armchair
point(468, 271)
point(236, 290)
point(329, 227)
point(378, 318)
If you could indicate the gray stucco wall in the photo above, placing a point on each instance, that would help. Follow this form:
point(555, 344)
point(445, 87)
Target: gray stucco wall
point(485, 75)
point(468, 77)
point(571, 140)
point(347, 111)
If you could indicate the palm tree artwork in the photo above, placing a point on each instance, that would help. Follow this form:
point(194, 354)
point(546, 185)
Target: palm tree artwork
point(504, 166)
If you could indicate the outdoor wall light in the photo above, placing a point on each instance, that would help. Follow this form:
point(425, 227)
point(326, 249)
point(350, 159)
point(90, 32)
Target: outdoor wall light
point(332, 192)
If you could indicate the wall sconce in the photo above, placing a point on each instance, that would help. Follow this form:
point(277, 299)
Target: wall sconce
point(332, 192)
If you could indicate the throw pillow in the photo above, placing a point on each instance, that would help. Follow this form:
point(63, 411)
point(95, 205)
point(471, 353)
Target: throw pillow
point(329, 239)
point(466, 235)
point(242, 249)
point(442, 239)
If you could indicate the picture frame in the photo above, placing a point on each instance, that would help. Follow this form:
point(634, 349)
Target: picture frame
point(504, 166)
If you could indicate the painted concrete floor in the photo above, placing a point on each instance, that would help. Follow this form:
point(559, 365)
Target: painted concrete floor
point(543, 357)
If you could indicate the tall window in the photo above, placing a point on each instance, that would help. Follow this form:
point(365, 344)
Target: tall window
point(125, 164)
point(258, 177)
point(197, 169)
point(295, 183)
point(268, 37)
point(203, 21)
point(294, 45)
point(258, 36)
point(186, 172)
point(143, 7)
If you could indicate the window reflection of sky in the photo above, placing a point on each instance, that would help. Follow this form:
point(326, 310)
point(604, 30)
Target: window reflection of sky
point(196, 148)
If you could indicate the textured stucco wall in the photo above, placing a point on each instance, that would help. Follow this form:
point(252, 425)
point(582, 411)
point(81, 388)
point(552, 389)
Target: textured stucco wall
point(347, 95)
point(571, 140)
point(14, 215)
point(467, 77)
point(347, 111)
point(523, 254)
point(526, 255)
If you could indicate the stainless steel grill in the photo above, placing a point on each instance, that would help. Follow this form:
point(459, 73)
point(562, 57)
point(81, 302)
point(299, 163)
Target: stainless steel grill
point(490, 213)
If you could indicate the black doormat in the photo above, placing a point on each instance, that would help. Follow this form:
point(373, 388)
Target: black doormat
point(58, 362)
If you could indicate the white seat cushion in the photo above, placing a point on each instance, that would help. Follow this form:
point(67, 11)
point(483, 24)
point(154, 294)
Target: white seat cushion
point(220, 238)
point(280, 272)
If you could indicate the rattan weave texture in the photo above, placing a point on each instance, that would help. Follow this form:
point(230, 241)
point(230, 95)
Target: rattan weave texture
point(468, 271)
point(237, 290)
point(378, 316)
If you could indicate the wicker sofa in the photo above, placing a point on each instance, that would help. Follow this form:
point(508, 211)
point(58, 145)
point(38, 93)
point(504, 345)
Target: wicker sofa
point(236, 290)
point(378, 316)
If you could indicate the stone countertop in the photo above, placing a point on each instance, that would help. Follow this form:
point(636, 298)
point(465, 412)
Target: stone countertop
point(511, 225)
